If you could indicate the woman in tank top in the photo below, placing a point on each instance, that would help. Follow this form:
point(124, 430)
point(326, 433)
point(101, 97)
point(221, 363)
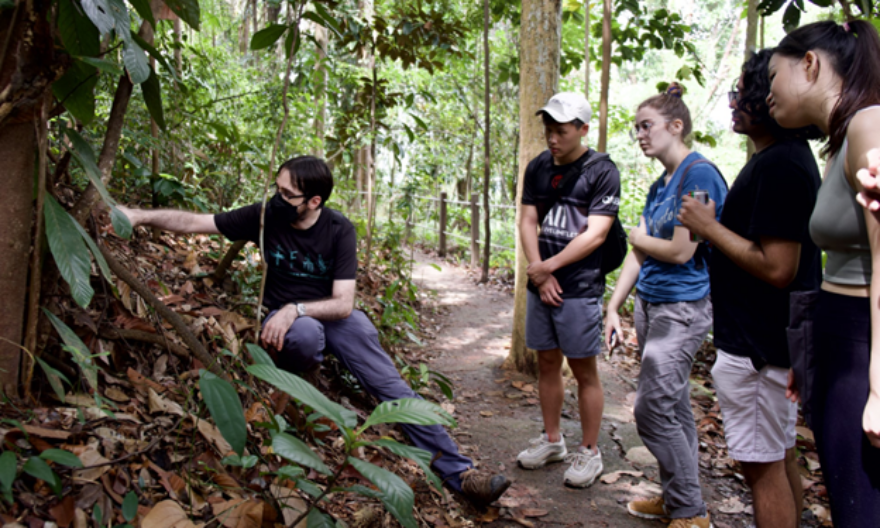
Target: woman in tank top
point(828, 75)
point(672, 308)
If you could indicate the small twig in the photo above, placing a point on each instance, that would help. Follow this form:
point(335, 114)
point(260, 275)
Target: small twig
point(135, 453)
point(146, 337)
point(330, 485)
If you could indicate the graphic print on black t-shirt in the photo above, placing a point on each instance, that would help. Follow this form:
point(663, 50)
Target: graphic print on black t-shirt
point(773, 196)
point(597, 192)
point(302, 263)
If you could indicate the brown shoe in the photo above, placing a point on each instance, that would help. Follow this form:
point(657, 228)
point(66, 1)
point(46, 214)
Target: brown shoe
point(648, 509)
point(692, 522)
point(483, 489)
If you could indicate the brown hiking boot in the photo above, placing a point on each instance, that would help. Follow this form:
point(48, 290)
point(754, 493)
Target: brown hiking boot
point(648, 509)
point(483, 489)
point(692, 522)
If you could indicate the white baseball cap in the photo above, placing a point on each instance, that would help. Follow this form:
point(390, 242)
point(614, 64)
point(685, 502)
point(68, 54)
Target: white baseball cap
point(565, 107)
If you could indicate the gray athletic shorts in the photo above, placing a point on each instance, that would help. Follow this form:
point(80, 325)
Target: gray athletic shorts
point(575, 327)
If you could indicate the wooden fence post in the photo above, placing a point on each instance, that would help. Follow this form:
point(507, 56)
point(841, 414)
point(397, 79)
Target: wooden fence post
point(442, 251)
point(475, 230)
point(409, 217)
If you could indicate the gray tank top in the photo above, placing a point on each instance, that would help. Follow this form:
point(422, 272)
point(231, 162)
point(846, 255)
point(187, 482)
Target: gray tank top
point(838, 227)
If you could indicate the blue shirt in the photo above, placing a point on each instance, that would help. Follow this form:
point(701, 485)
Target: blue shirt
point(662, 282)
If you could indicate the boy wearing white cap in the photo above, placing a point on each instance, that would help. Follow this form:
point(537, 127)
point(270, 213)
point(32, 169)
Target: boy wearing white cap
point(573, 193)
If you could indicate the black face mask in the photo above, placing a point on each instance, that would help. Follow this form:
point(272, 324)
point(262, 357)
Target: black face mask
point(278, 209)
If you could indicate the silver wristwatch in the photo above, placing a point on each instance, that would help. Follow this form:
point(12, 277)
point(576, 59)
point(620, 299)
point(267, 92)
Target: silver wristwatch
point(300, 310)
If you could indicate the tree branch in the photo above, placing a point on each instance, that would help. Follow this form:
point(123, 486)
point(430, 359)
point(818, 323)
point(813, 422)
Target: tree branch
point(169, 315)
point(220, 273)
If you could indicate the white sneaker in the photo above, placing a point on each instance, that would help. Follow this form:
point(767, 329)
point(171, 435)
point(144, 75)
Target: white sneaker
point(542, 452)
point(585, 467)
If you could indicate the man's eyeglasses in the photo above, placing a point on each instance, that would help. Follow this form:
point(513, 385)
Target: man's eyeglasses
point(732, 96)
point(284, 194)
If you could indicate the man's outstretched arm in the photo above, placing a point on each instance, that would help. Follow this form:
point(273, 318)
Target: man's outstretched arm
point(172, 220)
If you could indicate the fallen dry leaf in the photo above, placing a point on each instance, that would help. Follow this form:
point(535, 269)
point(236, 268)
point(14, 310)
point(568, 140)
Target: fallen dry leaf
point(212, 434)
point(239, 513)
point(291, 505)
point(806, 433)
point(731, 506)
point(486, 413)
point(518, 384)
point(533, 512)
point(159, 404)
point(490, 515)
point(167, 514)
point(611, 478)
point(90, 457)
point(63, 512)
point(116, 395)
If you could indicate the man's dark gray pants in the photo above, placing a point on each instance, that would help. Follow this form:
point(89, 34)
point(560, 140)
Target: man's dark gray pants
point(355, 342)
point(669, 335)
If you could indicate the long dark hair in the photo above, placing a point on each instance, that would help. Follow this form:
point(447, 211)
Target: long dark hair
point(854, 48)
point(753, 99)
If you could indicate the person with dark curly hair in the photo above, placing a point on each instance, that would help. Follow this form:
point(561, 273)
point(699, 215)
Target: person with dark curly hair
point(762, 252)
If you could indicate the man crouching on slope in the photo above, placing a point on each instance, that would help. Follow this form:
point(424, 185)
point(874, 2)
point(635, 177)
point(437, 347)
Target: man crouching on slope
point(573, 193)
point(310, 290)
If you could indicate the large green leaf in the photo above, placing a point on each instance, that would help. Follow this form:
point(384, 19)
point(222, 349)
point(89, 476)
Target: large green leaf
point(153, 97)
point(69, 251)
point(78, 33)
point(99, 257)
point(76, 90)
point(84, 154)
point(37, 468)
point(135, 62)
point(304, 392)
point(225, 407)
point(318, 519)
point(260, 356)
point(99, 13)
point(60, 456)
point(8, 470)
point(54, 377)
point(267, 36)
point(410, 411)
point(397, 496)
point(79, 349)
point(293, 449)
point(187, 10)
point(121, 223)
point(121, 19)
point(153, 52)
point(144, 10)
point(102, 64)
point(417, 455)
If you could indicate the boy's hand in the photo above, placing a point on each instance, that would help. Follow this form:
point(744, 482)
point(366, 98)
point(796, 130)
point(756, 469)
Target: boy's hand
point(276, 329)
point(539, 272)
point(551, 292)
point(695, 216)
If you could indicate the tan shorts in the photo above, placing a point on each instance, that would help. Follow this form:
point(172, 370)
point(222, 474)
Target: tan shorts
point(759, 421)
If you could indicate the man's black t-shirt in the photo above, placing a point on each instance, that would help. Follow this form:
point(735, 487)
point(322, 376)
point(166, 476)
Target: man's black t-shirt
point(302, 263)
point(773, 196)
point(595, 192)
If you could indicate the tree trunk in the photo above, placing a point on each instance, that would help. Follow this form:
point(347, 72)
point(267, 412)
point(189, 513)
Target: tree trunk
point(371, 181)
point(751, 46)
point(28, 67)
point(540, 37)
point(587, 49)
point(606, 76)
point(487, 158)
point(17, 145)
point(321, 88)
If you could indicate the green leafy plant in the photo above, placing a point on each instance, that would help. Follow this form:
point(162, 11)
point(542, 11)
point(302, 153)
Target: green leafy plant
point(395, 494)
point(421, 377)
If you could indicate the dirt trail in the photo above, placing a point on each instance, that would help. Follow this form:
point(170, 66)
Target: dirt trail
point(498, 413)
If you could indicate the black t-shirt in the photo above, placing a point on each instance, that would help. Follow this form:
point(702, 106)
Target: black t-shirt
point(302, 263)
point(773, 196)
point(595, 192)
